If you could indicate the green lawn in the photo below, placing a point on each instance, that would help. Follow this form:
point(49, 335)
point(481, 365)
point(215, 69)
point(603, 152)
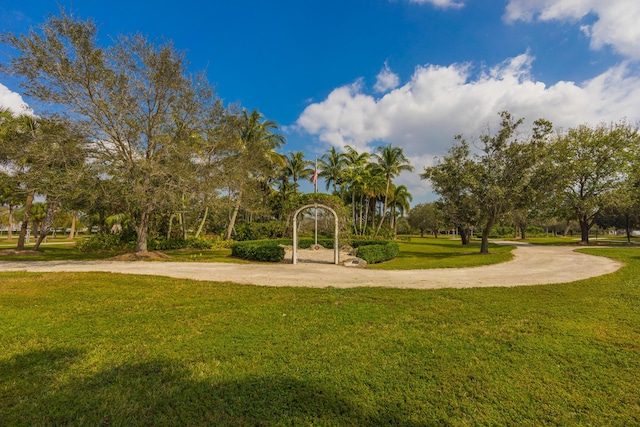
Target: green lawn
point(575, 240)
point(105, 349)
point(65, 251)
point(429, 252)
point(419, 253)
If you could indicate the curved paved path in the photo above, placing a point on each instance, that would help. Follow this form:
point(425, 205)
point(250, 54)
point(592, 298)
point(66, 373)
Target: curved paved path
point(532, 265)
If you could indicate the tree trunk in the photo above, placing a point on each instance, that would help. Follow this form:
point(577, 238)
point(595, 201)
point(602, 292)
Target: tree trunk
point(204, 219)
point(142, 231)
point(25, 220)
point(234, 215)
point(523, 233)
point(384, 208)
point(353, 211)
point(183, 225)
point(463, 235)
point(10, 231)
point(584, 229)
point(74, 219)
point(422, 232)
point(627, 228)
point(366, 218)
point(52, 207)
point(170, 225)
point(484, 246)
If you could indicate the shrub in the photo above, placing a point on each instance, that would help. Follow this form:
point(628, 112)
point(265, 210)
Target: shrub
point(375, 253)
point(190, 242)
point(260, 230)
point(106, 242)
point(258, 250)
point(366, 242)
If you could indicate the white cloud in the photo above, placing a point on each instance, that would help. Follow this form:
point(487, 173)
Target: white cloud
point(616, 24)
point(13, 101)
point(386, 79)
point(423, 115)
point(445, 4)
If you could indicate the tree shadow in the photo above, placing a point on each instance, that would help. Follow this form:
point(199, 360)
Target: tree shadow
point(163, 392)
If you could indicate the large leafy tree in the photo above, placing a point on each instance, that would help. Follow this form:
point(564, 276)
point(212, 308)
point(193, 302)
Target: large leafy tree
point(506, 168)
point(426, 217)
point(138, 103)
point(493, 181)
point(451, 179)
point(591, 166)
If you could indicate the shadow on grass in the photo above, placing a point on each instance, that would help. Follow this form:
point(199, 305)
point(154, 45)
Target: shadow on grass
point(165, 393)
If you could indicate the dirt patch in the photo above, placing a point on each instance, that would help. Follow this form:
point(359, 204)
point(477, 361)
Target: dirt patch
point(140, 256)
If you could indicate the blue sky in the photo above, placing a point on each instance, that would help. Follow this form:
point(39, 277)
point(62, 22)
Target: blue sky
point(366, 73)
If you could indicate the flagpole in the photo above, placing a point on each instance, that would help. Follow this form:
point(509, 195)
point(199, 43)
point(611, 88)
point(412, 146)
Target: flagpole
point(315, 190)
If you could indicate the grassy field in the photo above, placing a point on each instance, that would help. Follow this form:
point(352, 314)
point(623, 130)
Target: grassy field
point(429, 252)
point(419, 253)
point(105, 349)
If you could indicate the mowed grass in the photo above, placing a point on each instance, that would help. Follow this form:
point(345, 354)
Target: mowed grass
point(603, 240)
point(419, 253)
point(105, 349)
point(429, 252)
point(67, 252)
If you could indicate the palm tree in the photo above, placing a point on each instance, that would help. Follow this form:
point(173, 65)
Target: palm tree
point(355, 169)
point(296, 168)
point(372, 188)
point(256, 153)
point(332, 165)
point(399, 200)
point(391, 161)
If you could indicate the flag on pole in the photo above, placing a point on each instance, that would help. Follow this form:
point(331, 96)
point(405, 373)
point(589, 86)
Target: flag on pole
point(315, 178)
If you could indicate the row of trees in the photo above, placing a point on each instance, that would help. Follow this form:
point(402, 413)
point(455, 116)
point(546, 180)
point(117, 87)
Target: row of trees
point(143, 140)
point(581, 174)
point(140, 139)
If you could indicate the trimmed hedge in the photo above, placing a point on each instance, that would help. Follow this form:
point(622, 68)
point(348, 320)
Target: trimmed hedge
point(258, 250)
point(366, 242)
point(378, 252)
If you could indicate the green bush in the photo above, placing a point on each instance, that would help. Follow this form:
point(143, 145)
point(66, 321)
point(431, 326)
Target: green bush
point(258, 250)
point(379, 252)
point(260, 230)
point(356, 243)
point(106, 242)
point(190, 243)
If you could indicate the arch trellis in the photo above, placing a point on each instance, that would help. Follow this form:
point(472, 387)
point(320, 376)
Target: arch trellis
point(336, 249)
